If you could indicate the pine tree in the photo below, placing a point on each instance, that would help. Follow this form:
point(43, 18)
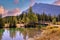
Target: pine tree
point(54, 20)
point(1, 22)
point(32, 17)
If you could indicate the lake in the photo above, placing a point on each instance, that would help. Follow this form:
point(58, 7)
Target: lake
point(18, 33)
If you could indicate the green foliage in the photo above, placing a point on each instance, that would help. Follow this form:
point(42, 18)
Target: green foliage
point(29, 17)
point(25, 18)
point(1, 23)
point(58, 17)
point(44, 17)
point(13, 22)
point(33, 17)
point(54, 20)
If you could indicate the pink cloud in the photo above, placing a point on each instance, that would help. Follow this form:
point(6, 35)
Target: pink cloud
point(2, 10)
point(14, 12)
point(57, 2)
point(32, 2)
point(5, 13)
point(16, 1)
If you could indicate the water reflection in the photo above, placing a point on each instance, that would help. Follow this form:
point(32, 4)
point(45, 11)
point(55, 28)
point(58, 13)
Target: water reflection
point(6, 35)
point(17, 34)
point(1, 33)
point(12, 35)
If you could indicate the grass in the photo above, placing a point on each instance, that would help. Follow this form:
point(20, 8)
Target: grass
point(50, 33)
point(58, 23)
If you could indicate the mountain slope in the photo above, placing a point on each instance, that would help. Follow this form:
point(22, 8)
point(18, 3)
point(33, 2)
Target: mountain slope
point(47, 8)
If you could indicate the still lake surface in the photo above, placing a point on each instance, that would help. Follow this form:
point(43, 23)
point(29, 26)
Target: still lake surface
point(18, 33)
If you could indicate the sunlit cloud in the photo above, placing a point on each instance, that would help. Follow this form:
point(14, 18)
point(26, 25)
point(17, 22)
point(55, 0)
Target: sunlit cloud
point(16, 1)
point(32, 2)
point(14, 12)
point(5, 12)
point(2, 10)
point(57, 2)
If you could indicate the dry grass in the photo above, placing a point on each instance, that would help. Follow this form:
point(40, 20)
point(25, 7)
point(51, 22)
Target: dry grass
point(50, 33)
point(58, 23)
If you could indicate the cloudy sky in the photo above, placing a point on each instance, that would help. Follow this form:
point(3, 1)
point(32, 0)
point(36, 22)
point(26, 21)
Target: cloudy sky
point(15, 7)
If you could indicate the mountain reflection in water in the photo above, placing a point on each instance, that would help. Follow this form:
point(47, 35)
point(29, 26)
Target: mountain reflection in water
point(16, 34)
point(12, 35)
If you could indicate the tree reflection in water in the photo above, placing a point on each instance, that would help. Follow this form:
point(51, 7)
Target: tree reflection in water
point(1, 33)
point(17, 34)
point(6, 35)
point(12, 34)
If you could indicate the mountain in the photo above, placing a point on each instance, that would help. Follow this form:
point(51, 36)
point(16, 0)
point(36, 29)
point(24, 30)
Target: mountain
point(46, 8)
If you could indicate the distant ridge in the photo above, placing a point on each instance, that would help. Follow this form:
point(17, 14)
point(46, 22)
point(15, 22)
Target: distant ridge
point(46, 8)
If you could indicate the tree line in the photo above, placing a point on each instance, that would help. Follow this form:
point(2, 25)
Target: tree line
point(27, 17)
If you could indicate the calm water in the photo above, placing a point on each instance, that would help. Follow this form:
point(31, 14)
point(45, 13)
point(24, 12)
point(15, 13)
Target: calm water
point(17, 34)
